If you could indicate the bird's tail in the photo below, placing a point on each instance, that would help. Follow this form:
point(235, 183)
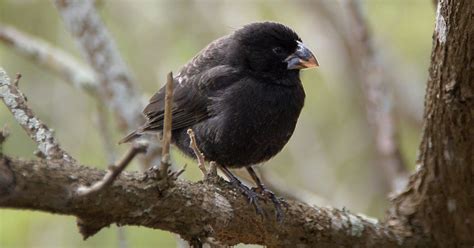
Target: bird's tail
point(131, 136)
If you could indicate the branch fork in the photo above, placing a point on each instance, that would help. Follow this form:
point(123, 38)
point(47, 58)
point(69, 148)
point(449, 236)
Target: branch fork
point(114, 171)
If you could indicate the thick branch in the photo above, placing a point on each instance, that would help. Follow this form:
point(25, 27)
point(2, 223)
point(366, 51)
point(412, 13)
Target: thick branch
point(193, 210)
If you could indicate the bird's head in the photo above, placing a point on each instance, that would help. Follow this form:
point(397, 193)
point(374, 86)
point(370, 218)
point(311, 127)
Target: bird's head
point(273, 47)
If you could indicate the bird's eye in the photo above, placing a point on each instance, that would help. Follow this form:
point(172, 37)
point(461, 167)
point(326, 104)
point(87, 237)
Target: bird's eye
point(278, 50)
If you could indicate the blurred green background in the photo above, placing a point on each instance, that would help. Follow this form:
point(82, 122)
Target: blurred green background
point(331, 153)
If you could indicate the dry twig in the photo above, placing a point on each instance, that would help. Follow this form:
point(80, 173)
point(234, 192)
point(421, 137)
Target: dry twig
point(114, 170)
point(16, 82)
point(199, 156)
point(36, 129)
point(167, 122)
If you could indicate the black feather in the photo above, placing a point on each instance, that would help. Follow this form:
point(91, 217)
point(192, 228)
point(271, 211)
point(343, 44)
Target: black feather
point(237, 95)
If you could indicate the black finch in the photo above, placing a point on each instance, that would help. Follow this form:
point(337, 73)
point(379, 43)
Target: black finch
point(241, 95)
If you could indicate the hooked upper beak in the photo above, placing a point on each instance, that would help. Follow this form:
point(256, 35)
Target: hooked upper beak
point(302, 58)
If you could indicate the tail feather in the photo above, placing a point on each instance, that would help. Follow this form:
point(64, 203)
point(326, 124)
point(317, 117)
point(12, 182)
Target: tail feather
point(130, 137)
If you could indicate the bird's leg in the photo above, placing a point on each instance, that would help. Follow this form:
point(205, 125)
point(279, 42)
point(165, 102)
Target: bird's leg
point(264, 191)
point(251, 195)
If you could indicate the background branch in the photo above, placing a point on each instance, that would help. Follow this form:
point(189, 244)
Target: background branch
point(51, 58)
point(378, 100)
point(98, 48)
point(79, 76)
point(117, 87)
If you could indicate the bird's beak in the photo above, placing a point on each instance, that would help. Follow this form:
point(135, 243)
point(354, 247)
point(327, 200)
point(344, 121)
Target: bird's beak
point(302, 58)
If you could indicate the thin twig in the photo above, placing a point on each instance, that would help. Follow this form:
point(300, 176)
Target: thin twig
point(199, 156)
point(114, 170)
point(17, 80)
point(36, 129)
point(167, 122)
point(178, 173)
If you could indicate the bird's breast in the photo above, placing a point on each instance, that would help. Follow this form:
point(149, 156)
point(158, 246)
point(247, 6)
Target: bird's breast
point(256, 121)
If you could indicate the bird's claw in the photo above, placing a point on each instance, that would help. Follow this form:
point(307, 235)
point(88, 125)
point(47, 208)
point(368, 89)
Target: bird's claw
point(251, 195)
point(277, 202)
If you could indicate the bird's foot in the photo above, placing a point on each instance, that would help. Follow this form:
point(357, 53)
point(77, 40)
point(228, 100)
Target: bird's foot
point(277, 201)
point(251, 195)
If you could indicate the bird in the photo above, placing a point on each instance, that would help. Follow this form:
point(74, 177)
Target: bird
point(242, 96)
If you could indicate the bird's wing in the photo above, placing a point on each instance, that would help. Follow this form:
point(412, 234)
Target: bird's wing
point(194, 86)
point(208, 58)
point(192, 99)
point(189, 107)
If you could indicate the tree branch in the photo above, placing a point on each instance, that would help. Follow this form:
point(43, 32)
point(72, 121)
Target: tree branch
point(100, 51)
point(114, 170)
point(167, 126)
point(35, 128)
point(378, 102)
point(117, 86)
point(193, 210)
point(199, 156)
point(51, 58)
